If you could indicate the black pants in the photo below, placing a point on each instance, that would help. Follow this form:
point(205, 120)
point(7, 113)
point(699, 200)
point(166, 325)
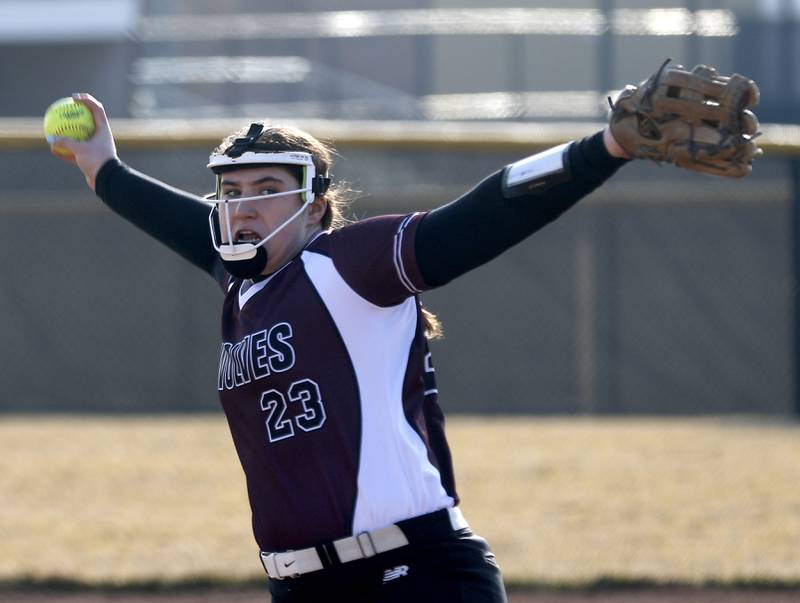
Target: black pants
point(458, 569)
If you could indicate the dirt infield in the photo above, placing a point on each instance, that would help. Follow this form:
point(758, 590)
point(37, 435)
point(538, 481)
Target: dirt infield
point(664, 595)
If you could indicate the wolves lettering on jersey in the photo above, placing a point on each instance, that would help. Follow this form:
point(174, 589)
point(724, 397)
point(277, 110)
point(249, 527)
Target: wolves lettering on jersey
point(327, 385)
point(256, 356)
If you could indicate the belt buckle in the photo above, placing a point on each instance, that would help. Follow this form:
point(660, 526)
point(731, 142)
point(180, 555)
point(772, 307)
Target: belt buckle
point(361, 544)
point(270, 565)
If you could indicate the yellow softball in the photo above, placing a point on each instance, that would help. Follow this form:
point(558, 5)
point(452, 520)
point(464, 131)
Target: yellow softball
point(69, 119)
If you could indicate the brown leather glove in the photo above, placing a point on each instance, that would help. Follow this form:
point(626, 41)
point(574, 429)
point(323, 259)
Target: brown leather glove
point(696, 119)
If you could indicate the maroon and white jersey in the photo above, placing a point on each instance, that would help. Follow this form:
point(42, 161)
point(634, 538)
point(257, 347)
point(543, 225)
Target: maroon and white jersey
point(326, 381)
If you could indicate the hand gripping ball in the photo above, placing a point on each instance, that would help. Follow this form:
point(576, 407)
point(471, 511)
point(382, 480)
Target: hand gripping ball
point(70, 119)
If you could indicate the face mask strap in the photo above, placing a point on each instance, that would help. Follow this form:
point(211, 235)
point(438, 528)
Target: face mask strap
point(320, 184)
point(240, 145)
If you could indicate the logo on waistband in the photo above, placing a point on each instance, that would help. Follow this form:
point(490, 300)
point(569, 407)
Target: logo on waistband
point(395, 573)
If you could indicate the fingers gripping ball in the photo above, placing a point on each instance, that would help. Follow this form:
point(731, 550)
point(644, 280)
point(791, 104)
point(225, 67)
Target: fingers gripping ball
point(70, 119)
point(696, 119)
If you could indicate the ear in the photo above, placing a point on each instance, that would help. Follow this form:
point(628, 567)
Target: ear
point(317, 209)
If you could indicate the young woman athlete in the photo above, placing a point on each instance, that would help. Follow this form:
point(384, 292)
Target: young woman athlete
point(325, 375)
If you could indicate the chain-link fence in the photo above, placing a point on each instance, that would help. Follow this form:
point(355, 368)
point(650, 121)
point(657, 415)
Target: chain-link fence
point(664, 292)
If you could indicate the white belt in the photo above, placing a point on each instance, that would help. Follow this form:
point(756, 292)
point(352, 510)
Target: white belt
point(291, 564)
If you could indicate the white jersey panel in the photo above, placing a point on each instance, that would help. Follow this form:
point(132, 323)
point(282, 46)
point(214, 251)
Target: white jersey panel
point(396, 480)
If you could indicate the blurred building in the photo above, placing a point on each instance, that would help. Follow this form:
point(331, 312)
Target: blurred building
point(410, 59)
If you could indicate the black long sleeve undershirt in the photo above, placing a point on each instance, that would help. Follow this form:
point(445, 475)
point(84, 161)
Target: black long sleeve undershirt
point(482, 224)
point(450, 240)
point(176, 218)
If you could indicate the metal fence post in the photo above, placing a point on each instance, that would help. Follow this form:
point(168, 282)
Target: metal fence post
point(692, 40)
point(794, 170)
point(605, 51)
point(586, 319)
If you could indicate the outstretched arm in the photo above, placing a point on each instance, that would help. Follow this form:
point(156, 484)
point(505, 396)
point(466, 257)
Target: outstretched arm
point(697, 120)
point(486, 221)
point(176, 218)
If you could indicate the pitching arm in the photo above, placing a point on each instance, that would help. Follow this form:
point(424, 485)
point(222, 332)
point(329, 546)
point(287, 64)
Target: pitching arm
point(174, 217)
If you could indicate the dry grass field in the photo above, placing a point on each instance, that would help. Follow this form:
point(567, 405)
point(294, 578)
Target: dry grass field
point(563, 501)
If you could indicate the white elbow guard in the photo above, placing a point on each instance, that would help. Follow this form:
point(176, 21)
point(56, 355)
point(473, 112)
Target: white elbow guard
point(537, 172)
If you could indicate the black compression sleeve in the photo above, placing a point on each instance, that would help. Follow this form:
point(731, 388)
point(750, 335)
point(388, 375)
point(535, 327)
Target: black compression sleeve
point(174, 217)
point(479, 226)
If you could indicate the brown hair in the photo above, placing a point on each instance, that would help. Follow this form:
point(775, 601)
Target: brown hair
point(286, 138)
